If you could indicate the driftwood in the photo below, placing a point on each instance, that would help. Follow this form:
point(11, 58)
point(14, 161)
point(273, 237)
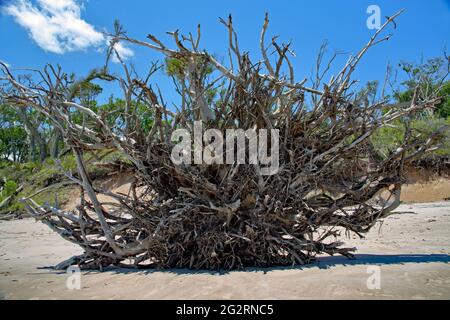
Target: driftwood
point(227, 215)
point(9, 199)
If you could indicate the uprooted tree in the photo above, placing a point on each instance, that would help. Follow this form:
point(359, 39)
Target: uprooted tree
point(209, 216)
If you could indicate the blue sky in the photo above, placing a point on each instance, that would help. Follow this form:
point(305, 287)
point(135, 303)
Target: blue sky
point(423, 30)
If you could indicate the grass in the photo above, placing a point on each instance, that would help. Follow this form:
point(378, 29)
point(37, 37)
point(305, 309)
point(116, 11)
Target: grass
point(388, 139)
point(36, 176)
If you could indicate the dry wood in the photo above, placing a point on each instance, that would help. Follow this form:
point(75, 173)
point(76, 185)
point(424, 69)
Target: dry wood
point(228, 216)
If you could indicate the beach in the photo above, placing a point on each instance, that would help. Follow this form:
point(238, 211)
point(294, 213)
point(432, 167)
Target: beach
point(409, 254)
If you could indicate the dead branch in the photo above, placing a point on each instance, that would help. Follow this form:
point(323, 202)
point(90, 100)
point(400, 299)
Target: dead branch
point(228, 215)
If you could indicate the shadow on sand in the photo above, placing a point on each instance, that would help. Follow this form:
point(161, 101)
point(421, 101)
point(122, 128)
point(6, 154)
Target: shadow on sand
point(322, 263)
point(381, 259)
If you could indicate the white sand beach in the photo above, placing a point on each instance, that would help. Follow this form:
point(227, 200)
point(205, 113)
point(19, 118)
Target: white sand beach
point(412, 251)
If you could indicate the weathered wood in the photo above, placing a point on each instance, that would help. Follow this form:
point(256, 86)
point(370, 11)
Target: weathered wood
point(229, 215)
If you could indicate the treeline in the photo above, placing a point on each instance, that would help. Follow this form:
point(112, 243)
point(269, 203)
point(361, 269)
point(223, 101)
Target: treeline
point(422, 81)
point(27, 136)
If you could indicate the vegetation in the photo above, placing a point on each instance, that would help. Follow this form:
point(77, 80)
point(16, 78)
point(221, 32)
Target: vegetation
point(423, 80)
point(35, 176)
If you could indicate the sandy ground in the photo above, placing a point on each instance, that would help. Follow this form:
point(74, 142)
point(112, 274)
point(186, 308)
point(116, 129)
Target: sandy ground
point(430, 191)
point(411, 253)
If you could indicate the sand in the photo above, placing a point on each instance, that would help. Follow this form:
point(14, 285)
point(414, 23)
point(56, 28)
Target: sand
point(411, 253)
point(426, 191)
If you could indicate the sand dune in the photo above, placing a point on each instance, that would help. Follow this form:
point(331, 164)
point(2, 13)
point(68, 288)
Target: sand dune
point(412, 252)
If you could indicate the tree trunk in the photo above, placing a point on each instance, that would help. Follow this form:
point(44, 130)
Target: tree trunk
point(34, 135)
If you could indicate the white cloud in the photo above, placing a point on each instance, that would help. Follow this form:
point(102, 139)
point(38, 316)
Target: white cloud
point(56, 26)
point(124, 52)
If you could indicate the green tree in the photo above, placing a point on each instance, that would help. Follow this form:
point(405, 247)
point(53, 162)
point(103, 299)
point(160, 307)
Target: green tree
point(429, 77)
